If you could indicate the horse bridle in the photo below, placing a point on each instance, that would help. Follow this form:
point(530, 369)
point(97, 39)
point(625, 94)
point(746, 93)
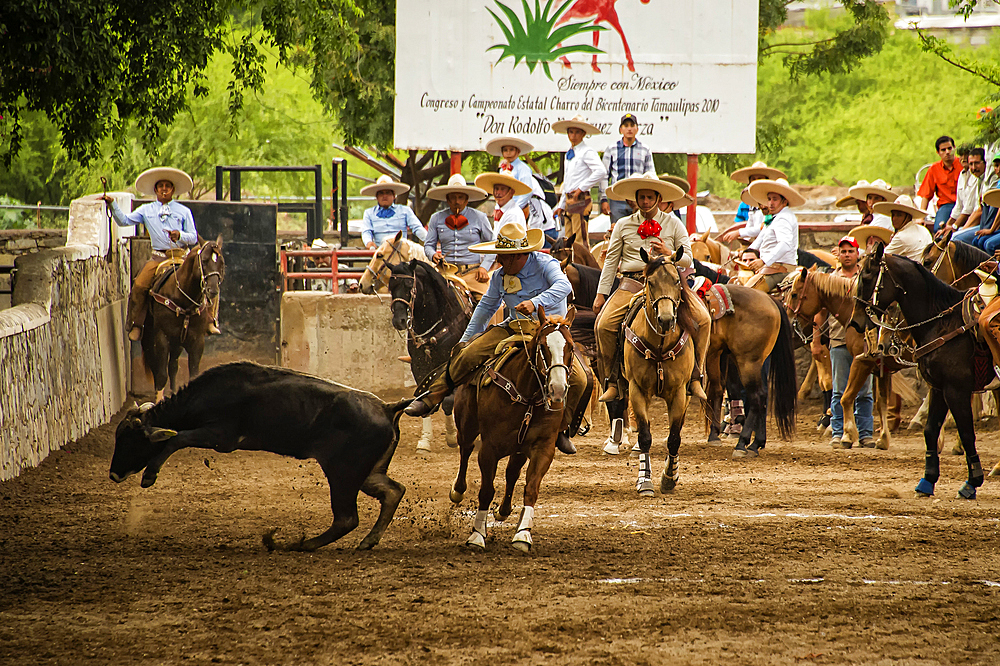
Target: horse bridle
point(651, 304)
point(419, 339)
point(538, 359)
point(385, 263)
point(202, 275)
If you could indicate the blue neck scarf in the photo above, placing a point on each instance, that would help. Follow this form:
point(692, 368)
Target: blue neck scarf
point(385, 213)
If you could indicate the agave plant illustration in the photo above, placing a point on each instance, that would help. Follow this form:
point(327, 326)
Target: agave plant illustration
point(537, 41)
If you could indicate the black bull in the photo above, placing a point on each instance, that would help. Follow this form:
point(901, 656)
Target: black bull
point(351, 434)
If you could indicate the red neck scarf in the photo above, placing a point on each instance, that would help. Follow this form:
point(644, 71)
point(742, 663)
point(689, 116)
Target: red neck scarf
point(649, 228)
point(456, 222)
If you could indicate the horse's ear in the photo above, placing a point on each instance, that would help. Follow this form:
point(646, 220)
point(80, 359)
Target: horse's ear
point(399, 234)
point(803, 271)
point(571, 240)
point(644, 255)
point(413, 264)
point(704, 236)
point(218, 241)
point(878, 252)
point(570, 314)
point(541, 316)
point(678, 254)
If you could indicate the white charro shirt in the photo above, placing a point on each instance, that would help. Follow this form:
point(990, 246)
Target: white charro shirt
point(583, 172)
point(754, 223)
point(778, 242)
point(910, 241)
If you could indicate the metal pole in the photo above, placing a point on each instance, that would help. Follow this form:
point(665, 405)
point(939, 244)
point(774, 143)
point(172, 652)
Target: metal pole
point(344, 231)
point(334, 208)
point(235, 185)
point(219, 185)
point(456, 162)
point(692, 177)
point(317, 227)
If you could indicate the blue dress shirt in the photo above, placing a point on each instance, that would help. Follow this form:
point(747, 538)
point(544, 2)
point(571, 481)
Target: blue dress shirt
point(522, 172)
point(542, 282)
point(159, 219)
point(376, 229)
point(455, 242)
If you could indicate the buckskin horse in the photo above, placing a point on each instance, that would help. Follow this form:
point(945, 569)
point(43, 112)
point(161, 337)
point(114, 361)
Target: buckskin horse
point(395, 250)
point(945, 353)
point(180, 313)
point(520, 397)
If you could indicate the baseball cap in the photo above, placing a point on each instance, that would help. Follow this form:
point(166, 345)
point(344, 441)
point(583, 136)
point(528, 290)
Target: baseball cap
point(850, 240)
point(628, 116)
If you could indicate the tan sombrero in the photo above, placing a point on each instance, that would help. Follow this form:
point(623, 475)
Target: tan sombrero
point(458, 185)
point(627, 187)
point(512, 238)
point(385, 183)
point(486, 181)
point(759, 189)
point(676, 180)
point(865, 231)
point(757, 169)
point(147, 180)
point(560, 126)
point(747, 199)
point(846, 201)
point(877, 186)
point(903, 204)
point(992, 197)
point(495, 146)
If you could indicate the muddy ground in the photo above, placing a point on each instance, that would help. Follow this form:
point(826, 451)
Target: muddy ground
point(804, 556)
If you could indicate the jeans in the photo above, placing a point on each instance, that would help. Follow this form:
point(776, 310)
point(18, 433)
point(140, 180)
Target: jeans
point(619, 209)
point(841, 359)
point(942, 215)
point(967, 236)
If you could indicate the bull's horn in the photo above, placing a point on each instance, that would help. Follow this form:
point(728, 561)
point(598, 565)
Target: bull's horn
point(161, 434)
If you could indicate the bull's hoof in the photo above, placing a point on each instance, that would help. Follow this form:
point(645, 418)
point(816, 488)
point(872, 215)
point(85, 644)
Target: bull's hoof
point(644, 487)
point(966, 492)
point(522, 541)
point(476, 541)
point(924, 488)
point(455, 496)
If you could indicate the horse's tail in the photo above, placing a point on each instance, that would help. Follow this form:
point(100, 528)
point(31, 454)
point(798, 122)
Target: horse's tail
point(146, 342)
point(782, 378)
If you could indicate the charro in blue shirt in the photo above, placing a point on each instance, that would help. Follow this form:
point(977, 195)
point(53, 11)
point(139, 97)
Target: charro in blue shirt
point(455, 242)
point(159, 219)
point(542, 282)
point(522, 172)
point(375, 229)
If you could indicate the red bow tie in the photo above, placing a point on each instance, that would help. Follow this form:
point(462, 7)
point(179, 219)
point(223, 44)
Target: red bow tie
point(506, 166)
point(497, 214)
point(456, 222)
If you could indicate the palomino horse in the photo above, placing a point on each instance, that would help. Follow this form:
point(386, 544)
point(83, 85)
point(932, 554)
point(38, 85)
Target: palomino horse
point(704, 248)
point(945, 351)
point(434, 316)
point(574, 250)
point(659, 359)
point(522, 407)
point(757, 330)
point(180, 314)
point(395, 250)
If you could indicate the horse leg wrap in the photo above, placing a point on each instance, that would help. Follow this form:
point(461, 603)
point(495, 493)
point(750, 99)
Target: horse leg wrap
point(478, 537)
point(976, 477)
point(671, 474)
point(522, 536)
point(924, 488)
point(644, 484)
point(612, 446)
point(966, 492)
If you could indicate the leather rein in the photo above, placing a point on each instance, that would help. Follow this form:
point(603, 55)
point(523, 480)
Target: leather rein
point(197, 307)
point(656, 354)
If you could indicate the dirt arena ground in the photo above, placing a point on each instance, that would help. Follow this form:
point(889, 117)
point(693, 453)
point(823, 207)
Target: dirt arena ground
point(804, 556)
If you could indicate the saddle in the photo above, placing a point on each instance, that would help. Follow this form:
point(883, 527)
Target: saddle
point(719, 301)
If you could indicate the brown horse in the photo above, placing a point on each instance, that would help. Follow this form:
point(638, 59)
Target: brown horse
point(953, 262)
point(575, 251)
point(704, 248)
point(180, 314)
point(522, 407)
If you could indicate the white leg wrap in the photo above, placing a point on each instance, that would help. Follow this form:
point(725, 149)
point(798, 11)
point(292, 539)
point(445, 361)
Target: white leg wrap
point(613, 444)
point(527, 519)
point(522, 537)
point(426, 435)
point(478, 537)
point(480, 524)
point(644, 484)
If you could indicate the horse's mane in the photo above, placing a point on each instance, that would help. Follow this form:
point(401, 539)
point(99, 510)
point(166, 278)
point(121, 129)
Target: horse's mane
point(590, 278)
point(808, 260)
point(436, 282)
point(939, 295)
point(968, 255)
point(833, 286)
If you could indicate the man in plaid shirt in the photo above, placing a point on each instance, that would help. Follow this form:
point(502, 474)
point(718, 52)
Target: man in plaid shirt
point(625, 158)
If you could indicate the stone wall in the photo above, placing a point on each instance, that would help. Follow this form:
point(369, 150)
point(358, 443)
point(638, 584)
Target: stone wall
point(62, 350)
point(16, 242)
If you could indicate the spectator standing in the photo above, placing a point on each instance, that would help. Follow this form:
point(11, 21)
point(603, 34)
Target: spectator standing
point(583, 170)
point(941, 181)
point(627, 157)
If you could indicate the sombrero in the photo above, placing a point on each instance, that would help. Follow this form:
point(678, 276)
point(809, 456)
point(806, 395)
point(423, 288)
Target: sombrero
point(902, 204)
point(627, 187)
point(676, 180)
point(512, 238)
point(384, 183)
point(877, 186)
point(486, 181)
point(846, 201)
point(683, 202)
point(560, 126)
point(759, 189)
point(757, 169)
point(456, 184)
point(993, 197)
point(865, 231)
point(747, 199)
point(147, 180)
point(494, 146)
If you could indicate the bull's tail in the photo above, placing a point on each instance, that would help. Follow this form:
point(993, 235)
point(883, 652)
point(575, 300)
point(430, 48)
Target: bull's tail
point(782, 378)
point(393, 411)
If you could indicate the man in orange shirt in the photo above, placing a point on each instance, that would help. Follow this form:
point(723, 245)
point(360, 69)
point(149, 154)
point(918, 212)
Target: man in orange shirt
point(941, 179)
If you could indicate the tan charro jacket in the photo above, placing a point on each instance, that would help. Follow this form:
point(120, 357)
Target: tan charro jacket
point(623, 248)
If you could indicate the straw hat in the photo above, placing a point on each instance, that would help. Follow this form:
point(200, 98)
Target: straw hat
point(992, 197)
point(877, 186)
point(560, 126)
point(627, 187)
point(495, 146)
point(676, 180)
point(747, 199)
point(865, 231)
point(486, 181)
point(512, 238)
point(846, 201)
point(757, 169)
point(683, 202)
point(759, 189)
point(385, 183)
point(456, 184)
point(147, 180)
point(903, 204)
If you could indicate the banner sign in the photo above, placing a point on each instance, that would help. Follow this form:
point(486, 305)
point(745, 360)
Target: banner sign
point(471, 70)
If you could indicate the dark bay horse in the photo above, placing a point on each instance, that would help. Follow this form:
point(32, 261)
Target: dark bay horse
point(180, 313)
point(522, 409)
point(953, 262)
point(931, 310)
point(576, 251)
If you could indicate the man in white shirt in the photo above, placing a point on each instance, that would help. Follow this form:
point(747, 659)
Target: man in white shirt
point(911, 237)
point(749, 217)
point(582, 171)
point(872, 193)
point(778, 240)
point(505, 188)
point(967, 213)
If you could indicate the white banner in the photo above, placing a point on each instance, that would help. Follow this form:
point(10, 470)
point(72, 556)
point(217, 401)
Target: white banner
point(470, 70)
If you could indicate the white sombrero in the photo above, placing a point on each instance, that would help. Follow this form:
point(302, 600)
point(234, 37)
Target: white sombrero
point(992, 197)
point(512, 238)
point(626, 188)
point(456, 184)
point(759, 189)
point(495, 146)
point(865, 231)
point(877, 186)
point(486, 181)
point(560, 126)
point(147, 180)
point(902, 204)
point(757, 169)
point(385, 183)
point(676, 180)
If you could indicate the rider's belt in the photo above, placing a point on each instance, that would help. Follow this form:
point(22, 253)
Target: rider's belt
point(774, 269)
point(634, 275)
point(463, 268)
point(630, 285)
point(173, 254)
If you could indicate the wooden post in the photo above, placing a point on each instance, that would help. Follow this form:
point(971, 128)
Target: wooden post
point(692, 177)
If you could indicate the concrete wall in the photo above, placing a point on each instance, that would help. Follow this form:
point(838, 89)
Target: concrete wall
point(62, 350)
point(348, 338)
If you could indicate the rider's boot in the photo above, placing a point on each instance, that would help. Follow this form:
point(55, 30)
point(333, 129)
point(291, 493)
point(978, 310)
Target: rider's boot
point(213, 329)
point(425, 404)
point(564, 444)
point(695, 387)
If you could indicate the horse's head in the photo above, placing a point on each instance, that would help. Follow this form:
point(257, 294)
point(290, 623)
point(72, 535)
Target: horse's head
point(212, 267)
point(868, 284)
point(935, 253)
point(562, 248)
point(402, 286)
point(664, 289)
point(801, 299)
point(377, 273)
point(551, 352)
point(701, 251)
